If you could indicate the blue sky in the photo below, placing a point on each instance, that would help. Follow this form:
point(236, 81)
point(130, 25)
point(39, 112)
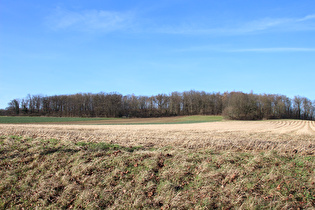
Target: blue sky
point(148, 47)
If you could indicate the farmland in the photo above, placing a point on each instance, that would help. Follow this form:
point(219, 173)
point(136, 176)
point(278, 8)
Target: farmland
point(223, 164)
point(23, 119)
point(108, 121)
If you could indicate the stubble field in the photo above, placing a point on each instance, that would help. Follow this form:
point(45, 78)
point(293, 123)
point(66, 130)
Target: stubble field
point(235, 135)
point(228, 164)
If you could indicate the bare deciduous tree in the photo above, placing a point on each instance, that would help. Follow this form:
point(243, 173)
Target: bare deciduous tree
point(234, 105)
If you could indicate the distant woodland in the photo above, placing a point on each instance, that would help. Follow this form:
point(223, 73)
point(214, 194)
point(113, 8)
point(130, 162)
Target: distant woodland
point(232, 105)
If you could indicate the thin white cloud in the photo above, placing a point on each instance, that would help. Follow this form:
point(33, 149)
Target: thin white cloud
point(203, 48)
point(290, 24)
point(261, 25)
point(107, 21)
point(308, 17)
point(279, 49)
point(226, 49)
point(91, 20)
point(240, 28)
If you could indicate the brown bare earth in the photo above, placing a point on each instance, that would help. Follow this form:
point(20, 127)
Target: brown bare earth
point(236, 135)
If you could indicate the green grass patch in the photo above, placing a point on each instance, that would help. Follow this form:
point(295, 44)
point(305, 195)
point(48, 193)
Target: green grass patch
point(111, 121)
point(172, 120)
point(26, 119)
point(199, 118)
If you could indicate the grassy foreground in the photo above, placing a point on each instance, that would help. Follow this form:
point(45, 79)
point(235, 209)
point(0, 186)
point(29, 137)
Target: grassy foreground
point(58, 174)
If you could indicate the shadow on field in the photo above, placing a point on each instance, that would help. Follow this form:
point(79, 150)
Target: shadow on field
point(50, 151)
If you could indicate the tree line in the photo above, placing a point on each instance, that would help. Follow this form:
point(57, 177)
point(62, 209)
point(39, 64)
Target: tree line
point(232, 105)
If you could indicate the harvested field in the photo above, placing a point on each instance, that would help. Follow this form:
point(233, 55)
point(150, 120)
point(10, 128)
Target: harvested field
point(235, 135)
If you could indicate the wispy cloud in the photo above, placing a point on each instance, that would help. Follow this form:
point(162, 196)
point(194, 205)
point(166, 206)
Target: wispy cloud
point(308, 17)
point(279, 49)
point(90, 20)
point(225, 49)
point(240, 28)
point(107, 21)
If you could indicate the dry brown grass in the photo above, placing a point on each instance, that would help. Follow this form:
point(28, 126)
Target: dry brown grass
point(225, 165)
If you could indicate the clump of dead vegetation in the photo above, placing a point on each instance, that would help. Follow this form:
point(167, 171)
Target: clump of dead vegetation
point(59, 173)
